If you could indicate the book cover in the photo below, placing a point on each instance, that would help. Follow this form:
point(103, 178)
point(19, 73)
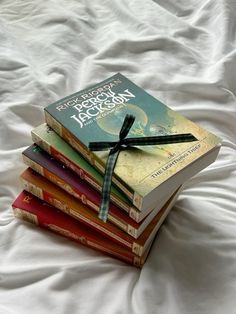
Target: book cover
point(30, 208)
point(97, 113)
point(49, 192)
point(54, 171)
point(49, 141)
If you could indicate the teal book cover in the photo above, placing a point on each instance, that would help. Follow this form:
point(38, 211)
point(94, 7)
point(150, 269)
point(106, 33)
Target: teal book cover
point(97, 114)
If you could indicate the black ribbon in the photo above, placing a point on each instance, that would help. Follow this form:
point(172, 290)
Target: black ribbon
point(115, 148)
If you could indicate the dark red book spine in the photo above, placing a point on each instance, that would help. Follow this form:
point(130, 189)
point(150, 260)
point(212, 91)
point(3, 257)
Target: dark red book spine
point(32, 209)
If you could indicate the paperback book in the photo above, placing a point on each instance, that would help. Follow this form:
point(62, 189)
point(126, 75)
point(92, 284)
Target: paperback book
point(54, 171)
point(55, 146)
point(30, 208)
point(143, 173)
point(52, 194)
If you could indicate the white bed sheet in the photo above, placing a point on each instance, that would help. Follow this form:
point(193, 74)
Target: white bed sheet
point(182, 52)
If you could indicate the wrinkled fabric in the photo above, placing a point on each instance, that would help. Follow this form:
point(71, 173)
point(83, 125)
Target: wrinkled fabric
point(183, 53)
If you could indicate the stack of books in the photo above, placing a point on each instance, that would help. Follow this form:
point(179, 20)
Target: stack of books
point(63, 182)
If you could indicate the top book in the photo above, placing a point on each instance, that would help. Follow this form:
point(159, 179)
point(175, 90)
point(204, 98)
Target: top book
point(144, 173)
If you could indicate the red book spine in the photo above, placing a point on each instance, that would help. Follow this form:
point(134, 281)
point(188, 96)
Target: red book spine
point(31, 209)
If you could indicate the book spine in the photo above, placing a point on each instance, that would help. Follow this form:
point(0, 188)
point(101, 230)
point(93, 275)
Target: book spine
point(135, 260)
point(92, 158)
point(65, 161)
point(132, 211)
point(34, 219)
point(77, 194)
point(60, 204)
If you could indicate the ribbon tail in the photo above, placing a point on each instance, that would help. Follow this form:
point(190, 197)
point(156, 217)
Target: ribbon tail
point(160, 140)
point(106, 187)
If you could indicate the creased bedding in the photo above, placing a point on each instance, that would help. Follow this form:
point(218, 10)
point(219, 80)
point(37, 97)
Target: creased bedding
point(182, 52)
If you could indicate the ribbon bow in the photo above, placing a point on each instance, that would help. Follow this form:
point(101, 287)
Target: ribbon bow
point(116, 147)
